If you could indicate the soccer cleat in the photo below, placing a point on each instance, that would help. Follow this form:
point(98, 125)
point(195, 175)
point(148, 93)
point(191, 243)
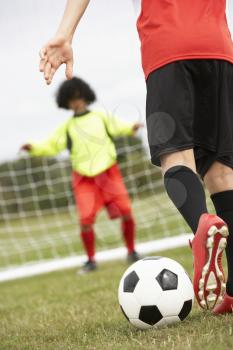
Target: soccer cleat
point(88, 266)
point(208, 245)
point(133, 257)
point(225, 307)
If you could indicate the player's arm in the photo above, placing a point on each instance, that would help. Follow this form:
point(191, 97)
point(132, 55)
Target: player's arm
point(117, 127)
point(59, 49)
point(55, 144)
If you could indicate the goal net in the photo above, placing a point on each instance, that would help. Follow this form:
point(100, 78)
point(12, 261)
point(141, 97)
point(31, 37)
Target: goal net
point(39, 220)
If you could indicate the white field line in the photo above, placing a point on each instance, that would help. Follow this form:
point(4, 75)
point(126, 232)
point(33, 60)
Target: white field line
point(42, 267)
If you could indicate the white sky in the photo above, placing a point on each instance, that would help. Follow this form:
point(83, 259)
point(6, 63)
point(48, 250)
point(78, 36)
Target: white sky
point(107, 55)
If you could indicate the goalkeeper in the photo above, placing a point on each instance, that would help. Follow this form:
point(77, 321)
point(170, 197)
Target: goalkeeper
point(97, 180)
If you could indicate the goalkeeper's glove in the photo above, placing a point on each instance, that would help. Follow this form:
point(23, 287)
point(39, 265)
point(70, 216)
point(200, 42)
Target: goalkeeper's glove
point(137, 126)
point(27, 147)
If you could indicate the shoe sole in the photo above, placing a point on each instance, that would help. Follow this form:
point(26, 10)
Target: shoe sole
point(212, 285)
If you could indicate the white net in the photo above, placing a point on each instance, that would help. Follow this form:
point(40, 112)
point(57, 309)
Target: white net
point(38, 217)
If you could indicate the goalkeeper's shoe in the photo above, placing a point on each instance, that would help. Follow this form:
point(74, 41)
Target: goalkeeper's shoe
point(87, 267)
point(226, 306)
point(133, 257)
point(207, 246)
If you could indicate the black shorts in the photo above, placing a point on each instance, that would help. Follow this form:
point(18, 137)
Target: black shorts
point(190, 106)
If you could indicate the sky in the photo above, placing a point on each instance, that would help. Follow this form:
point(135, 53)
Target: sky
point(107, 55)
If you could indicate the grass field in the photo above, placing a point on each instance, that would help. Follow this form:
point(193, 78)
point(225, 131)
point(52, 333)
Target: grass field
point(63, 311)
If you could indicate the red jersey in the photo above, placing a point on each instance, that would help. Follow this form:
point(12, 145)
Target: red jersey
point(173, 30)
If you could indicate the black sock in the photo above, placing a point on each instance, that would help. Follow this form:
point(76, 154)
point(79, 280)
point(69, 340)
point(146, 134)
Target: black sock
point(186, 191)
point(223, 202)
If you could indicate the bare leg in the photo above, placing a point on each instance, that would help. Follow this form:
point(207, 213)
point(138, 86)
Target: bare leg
point(219, 178)
point(185, 158)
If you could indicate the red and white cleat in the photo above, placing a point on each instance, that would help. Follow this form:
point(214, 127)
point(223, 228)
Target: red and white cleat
point(226, 306)
point(207, 246)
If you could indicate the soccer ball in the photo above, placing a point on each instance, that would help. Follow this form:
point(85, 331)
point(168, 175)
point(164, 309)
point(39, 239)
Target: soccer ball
point(155, 291)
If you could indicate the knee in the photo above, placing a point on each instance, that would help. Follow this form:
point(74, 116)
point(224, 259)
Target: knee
point(86, 228)
point(219, 178)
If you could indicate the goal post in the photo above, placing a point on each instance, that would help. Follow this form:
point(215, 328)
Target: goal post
point(38, 216)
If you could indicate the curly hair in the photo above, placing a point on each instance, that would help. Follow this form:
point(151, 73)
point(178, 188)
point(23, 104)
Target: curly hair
point(72, 89)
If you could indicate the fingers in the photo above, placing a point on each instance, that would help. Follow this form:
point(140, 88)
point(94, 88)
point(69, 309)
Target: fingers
point(46, 67)
point(42, 53)
point(43, 59)
point(56, 52)
point(69, 69)
point(52, 72)
point(42, 65)
point(47, 71)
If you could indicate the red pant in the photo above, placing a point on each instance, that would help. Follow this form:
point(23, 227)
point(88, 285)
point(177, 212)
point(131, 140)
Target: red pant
point(104, 190)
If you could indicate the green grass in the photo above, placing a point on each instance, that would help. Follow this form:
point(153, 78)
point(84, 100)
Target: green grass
point(63, 311)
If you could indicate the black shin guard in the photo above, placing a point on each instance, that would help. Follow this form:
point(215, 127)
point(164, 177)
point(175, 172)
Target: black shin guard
point(186, 192)
point(223, 202)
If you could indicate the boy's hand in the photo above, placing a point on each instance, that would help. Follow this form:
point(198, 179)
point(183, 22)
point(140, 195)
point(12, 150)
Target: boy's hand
point(56, 52)
point(27, 147)
point(137, 126)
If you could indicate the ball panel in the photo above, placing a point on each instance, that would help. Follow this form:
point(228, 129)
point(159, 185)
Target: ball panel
point(186, 309)
point(139, 324)
point(172, 265)
point(148, 269)
point(133, 267)
point(170, 303)
point(185, 286)
point(166, 321)
point(167, 280)
point(148, 292)
point(150, 314)
point(129, 304)
point(130, 282)
point(123, 311)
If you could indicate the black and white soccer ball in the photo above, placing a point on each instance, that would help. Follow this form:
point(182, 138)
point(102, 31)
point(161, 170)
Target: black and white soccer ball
point(155, 291)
